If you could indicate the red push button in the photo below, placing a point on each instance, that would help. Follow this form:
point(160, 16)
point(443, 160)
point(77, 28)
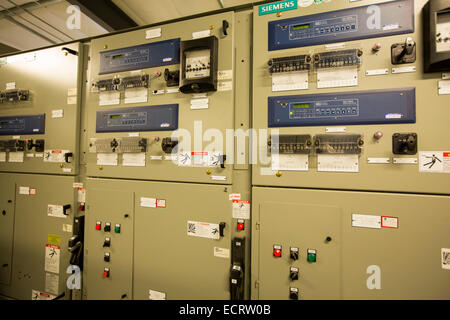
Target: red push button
point(106, 273)
point(98, 226)
point(240, 225)
point(277, 251)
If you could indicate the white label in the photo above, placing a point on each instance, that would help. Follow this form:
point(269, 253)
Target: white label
point(434, 161)
point(290, 81)
point(347, 77)
point(148, 202)
point(201, 34)
point(378, 160)
point(305, 3)
point(107, 159)
point(71, 100)
point(446, 76)
point(52, 258)
point(366, 221)
point(218, 178)
point(55, 156)
point(67, 170)
point(335, 46)
point(24, 190)
point(137, 95)
point(16, 137)
point(337, 163)
point(81, 195)
point(52, 283)
point(172, 90)
point(199, 103)
point(445, 258)
point(221, 253)
point(335, 129)
point(11, 86)
point(133, 134)
point(377, 72)
point(55, 211)
point(225, 75)
point(392, 26)
point(234, 196)
point(444, 87)
point(290, 162)
point(241, 209)
point(172, 157)
point(77, 185)
point(203, 230)
point(156, 295)
point(2, 156)
point(37, 295)
point(16, 157)
point(57, 113)
point(404, 161)
point(153, 33)
point(404, 69)
point(133, 159)
point(156, 158)
point(389, 222)
point(72, 92)
point(393, 116)
point(158, 92)
point(67, 228)
point(225, 86)
point(39, 155)
point(30, 155)
point(109, 98)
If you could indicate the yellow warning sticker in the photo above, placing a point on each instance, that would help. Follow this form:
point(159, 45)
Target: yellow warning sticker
point(54, 239)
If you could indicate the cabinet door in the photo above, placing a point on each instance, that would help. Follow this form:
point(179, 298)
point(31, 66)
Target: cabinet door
point(7, 198)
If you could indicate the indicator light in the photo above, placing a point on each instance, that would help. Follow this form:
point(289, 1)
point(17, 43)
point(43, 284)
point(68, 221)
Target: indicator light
point(277, 251)
point(98, 226)
point(240, 225)
point(312, 255)
point(117, 228)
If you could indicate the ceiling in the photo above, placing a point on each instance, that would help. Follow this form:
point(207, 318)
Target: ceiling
point(26, 24)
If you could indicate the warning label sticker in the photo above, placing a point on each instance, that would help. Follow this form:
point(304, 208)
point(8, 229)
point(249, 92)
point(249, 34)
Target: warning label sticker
point(241, 209)
point(445, 253)
point(434, 161)
point(203, 230)
point(389, 222)
point(37, 295)
point(52, 258)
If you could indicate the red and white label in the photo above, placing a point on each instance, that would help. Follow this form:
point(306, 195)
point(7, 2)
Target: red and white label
point(160, 203)
point(389, 222)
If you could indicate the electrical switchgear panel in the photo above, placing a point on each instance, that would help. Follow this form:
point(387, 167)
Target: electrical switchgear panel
point(189, 84)
point(342, 25)
point(154, 118)
point(389, 106)
point(40, 99)
point(149, 55)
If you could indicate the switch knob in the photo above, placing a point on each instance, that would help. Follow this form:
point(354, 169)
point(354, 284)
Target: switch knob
point(294, 254)
point(293, 293)
point(293, 274)
point(107, 257)
point(107, 227)
point(107, 243)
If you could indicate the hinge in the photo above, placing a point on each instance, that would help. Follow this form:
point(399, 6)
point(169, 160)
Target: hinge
point(257, 284)
point(257, 226)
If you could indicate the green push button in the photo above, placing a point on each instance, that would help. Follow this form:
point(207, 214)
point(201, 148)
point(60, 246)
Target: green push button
point(312, 255)
point(117, 228)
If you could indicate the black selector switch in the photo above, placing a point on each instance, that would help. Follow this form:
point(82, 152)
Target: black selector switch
point(293, 273)
point(107, 243)
point(293, 293)
point(404, 143)
point(107, 227)
point(169, 144)
point(294, 254)
point(402, 53)
point(107, 257)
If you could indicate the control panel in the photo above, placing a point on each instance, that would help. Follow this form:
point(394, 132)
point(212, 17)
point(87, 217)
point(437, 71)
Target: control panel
point(365, 107)
point(341, 25)
point(154, 118)
point(40, 110)
point(161, 90)
point(149, 55)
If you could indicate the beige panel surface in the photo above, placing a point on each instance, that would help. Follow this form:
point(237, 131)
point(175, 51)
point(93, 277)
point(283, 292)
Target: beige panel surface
point(409, 257)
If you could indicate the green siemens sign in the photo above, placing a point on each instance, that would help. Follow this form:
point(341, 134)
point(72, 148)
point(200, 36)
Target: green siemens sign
point(277, 7)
